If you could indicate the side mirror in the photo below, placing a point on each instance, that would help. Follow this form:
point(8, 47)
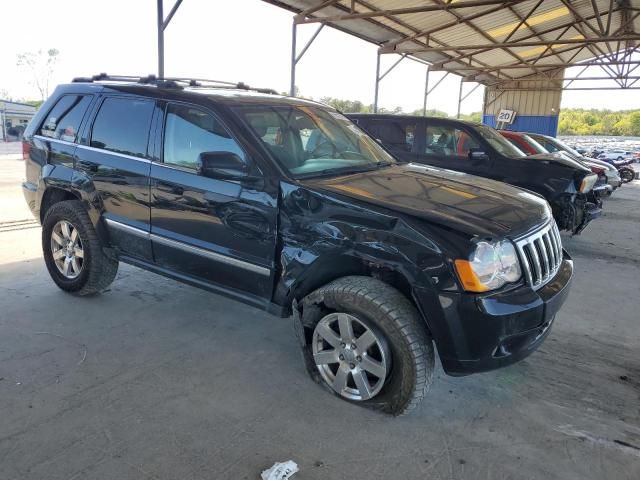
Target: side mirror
point(477, 154)
point(222, 165)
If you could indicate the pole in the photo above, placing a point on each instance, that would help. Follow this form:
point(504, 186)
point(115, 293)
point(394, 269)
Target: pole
point(375, 98)
point(160, 40)
point(4, 126)
point(459, 98)
point(426, 93)
point(294, 34)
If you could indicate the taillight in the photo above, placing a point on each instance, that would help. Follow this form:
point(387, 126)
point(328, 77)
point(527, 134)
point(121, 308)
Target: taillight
point(598, 170)
point(26, 148)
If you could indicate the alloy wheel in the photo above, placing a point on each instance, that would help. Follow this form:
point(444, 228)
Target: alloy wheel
point(66, 248)
point(352, 357)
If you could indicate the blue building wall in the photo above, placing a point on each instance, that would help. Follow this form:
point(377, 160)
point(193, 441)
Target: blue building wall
point(544, 124)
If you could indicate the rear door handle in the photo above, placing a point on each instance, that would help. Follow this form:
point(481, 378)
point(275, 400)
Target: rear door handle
point(168, 188)
point(89, 166)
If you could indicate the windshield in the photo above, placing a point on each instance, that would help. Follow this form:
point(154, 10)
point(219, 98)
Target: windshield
point(311, 141)
point(535, 145)
point(497, 141)
point(565, 147)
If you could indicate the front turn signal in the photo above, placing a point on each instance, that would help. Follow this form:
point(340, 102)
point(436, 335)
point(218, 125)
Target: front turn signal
point(469, 279)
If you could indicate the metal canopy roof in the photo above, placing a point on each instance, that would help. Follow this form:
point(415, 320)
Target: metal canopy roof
point(490, 41)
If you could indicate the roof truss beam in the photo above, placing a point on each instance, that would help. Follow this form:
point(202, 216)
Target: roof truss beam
point(398, 11)
point(568, 41)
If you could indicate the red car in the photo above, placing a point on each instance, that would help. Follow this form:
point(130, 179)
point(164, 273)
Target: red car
point(523, 142)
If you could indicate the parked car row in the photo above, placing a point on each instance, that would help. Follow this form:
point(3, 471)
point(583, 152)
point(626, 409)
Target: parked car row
point(616, 156)
point(533, 144)
point(477, 149)
point(382, 254)
point(617, 172)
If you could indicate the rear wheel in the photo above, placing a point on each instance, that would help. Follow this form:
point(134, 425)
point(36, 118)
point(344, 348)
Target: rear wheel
point(368, 344)
point(626, 175)
point(73, 252)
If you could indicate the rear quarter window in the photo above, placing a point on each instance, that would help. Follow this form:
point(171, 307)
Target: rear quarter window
point(63, 121)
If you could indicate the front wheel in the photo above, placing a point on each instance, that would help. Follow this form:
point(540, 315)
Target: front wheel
point(73, 252)
point(367, 343)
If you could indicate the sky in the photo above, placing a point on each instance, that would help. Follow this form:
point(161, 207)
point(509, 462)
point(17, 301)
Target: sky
point(239, 40)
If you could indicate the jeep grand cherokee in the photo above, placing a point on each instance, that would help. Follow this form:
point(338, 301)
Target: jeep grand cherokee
point(286, 205)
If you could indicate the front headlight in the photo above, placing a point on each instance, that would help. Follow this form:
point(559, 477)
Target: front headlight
point(489, 267)
point(587, 183)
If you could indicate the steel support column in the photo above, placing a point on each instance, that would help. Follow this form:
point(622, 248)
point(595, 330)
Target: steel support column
point(161, 25)
point(380, 77)
point(375, 95)
point(426, 93)
point(459, 98)
point(160, 39)
point(294, 35)
point(296, 58)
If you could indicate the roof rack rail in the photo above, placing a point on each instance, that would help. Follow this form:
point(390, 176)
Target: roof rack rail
point(172, 82)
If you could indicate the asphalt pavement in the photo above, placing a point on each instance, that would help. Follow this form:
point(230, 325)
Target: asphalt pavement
point(157, 380)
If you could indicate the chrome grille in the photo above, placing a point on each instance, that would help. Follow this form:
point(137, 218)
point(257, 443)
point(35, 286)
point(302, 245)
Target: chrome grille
point(541, 255)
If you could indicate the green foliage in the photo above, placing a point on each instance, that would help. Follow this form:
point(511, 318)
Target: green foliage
point(35, 103)
point(346, 106)
point(432, 112)
point(578, 121)
point(472, 117)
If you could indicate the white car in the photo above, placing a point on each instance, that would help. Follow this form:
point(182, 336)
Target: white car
point(616, 156)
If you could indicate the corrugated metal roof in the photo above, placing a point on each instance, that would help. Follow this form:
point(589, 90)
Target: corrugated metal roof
point(489, 41)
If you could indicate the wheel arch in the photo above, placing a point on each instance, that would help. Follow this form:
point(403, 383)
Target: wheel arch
point(53, 195)
point(55, 192)
point(328, 268)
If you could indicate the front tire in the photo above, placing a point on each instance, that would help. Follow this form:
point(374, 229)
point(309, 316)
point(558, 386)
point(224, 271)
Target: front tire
point(73, 252)
point(368, 344)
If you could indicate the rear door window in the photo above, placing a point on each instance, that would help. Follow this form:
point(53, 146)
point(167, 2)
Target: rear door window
point(397, 135)
point(122, 125)
point(64, 119)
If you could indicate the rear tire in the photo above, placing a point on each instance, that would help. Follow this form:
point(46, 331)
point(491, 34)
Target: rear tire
point(627, 175)
point(73, 252)
point(401, 348)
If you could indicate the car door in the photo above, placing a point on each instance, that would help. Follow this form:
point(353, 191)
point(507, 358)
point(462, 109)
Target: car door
point(215, 230)
point(449, 146)
point(398, 135)
point(114, 157)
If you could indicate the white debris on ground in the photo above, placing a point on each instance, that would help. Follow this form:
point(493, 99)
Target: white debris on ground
point(280, 471)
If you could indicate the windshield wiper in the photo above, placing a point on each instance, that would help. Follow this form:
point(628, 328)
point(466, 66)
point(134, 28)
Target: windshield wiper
point(343, 170)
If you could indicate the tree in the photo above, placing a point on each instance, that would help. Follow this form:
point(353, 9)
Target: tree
point(393, 111)
point(634, 120)
point(346, 106)
point(41, 65)
point(4, 95)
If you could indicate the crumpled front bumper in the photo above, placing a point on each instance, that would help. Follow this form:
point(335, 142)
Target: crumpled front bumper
point(476, 333)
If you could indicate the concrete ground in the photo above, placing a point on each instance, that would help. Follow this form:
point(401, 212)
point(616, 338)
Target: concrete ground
point(158, 380)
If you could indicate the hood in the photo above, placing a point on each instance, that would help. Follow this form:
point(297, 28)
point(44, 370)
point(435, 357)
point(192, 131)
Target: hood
point(605, 165)
point(470, 204)
point(562, 158)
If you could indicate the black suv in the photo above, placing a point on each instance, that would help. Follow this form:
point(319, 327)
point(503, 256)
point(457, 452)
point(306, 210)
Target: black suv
point(480, 150)
point(286, 205)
